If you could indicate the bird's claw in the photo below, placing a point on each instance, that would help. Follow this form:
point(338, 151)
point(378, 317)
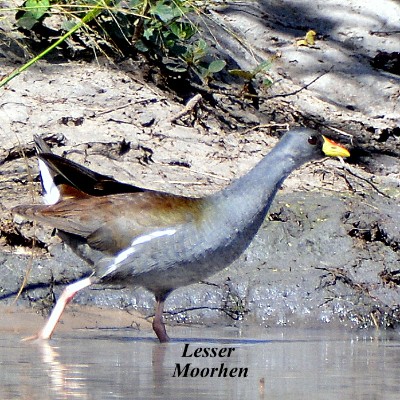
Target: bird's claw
point(34, 338)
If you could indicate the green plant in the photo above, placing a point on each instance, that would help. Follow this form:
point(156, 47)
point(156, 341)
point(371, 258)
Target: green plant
point(165, 29)
point(87, 18)
point(32, 12)
point(193, 59)
point(162, 29)
point(261, 69)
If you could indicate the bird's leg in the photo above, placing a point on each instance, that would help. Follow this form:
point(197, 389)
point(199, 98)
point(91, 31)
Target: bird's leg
point(158, 324)
point(66, 296)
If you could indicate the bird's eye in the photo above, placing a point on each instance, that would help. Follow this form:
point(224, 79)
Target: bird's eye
point(313, 140)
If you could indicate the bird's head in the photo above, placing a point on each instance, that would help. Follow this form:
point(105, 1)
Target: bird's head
point(305, 144)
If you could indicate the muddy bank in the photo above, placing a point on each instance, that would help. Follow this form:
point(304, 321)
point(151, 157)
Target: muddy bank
point(329, 250)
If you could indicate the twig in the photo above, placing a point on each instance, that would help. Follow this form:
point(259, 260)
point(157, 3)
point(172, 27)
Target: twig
point(191, 104)
point(271, 125)
point(209, 90)
point(98, 113)
point(348, 169)
point(306, 86)
point(384, 33)
point(341, 132)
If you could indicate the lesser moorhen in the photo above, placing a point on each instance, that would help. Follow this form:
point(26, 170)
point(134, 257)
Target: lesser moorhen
point(157, 240)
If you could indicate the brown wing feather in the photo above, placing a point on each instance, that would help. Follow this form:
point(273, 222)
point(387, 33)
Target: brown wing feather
point(111, 223)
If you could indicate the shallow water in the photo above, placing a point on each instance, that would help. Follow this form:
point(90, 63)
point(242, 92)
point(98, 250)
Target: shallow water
point(282, 364)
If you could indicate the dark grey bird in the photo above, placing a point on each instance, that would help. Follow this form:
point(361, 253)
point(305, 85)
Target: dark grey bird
point(158, 240)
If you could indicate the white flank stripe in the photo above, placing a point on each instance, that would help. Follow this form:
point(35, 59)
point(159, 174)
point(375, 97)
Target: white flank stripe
point(153, 235)
point(123, 255)
point(52, 194)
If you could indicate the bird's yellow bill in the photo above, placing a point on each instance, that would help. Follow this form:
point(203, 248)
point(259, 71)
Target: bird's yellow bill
point(333, 149)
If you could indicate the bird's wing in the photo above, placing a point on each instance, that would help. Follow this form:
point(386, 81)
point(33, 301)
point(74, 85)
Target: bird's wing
point(111, 223)
point(66, 175)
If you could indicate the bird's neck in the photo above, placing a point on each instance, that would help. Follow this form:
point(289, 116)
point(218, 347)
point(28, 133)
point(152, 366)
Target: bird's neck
point(233, 216)
point(255, 190)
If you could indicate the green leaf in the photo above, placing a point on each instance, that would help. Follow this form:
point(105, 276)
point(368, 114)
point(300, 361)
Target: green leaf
point(140, 46)
point(262, 67)
point(242, 74)
point(267, 82)
point(178, 50)
point(201, 44)
point(199, 50)
point(165, 12)
point(67, 25)
point(34, 10)
point(148, 33)
point(174, 64)
point(216, 66)
point(134, 3)
point(182, 30)
point(202, 72)
point(176, 29)
point(37, 8)
point(27, 21)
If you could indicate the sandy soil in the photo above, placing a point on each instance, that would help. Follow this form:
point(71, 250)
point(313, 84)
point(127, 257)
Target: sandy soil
point(24, 322)
point(330, 249)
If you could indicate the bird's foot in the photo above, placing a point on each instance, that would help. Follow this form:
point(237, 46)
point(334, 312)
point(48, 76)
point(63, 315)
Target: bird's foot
point(31, 338)
point(38, 337)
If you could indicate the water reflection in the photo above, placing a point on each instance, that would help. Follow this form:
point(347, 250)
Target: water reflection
point(286, 364)
point(66, 381)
